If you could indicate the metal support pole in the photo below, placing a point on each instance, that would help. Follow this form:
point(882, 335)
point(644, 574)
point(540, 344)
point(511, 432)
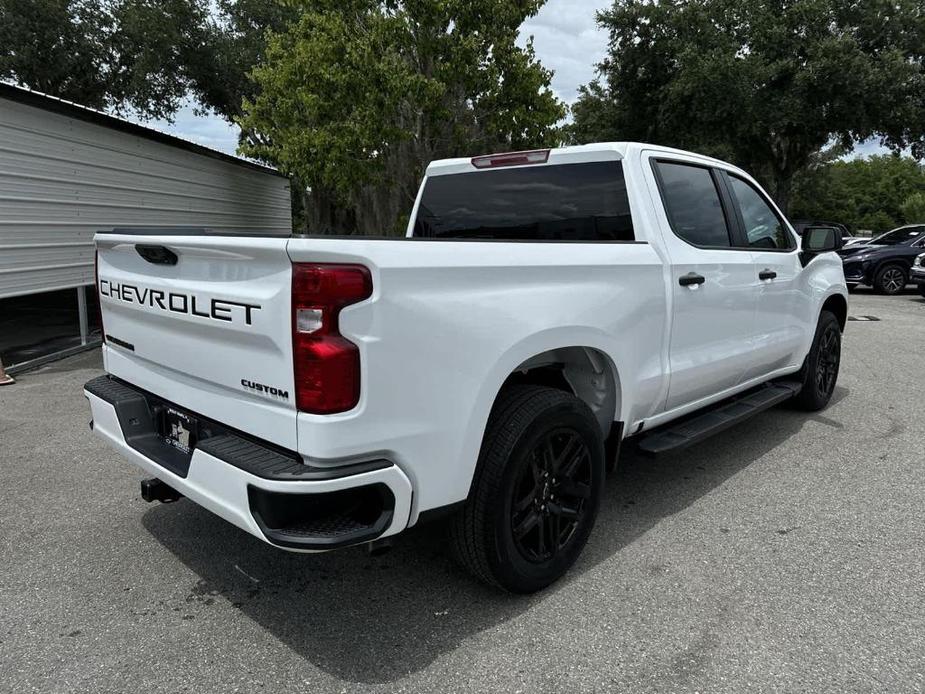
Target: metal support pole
point(82, 311)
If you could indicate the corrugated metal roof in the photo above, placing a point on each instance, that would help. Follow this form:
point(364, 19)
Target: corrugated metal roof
point(67, 172)
point(47, 102)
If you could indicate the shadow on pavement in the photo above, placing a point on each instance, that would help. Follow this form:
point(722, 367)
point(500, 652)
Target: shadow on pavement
point(377, 619)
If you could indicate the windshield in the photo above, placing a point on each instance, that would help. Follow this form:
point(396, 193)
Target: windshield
point(897, 237)
point(568, 202)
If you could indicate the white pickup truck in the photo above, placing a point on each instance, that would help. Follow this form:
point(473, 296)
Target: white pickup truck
point(319, 392)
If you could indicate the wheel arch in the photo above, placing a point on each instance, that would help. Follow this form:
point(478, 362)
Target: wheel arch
point(586, 372)
point(837, 305)
point(903, 264)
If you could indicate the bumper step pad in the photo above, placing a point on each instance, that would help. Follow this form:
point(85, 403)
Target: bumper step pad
point(135, 409)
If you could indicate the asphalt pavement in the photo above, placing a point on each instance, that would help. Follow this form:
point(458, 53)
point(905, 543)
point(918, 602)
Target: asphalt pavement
point(786, 555)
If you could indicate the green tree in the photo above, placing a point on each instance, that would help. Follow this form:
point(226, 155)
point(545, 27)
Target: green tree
point(232, 41)
point(765, 84)
point(145, 55)
point(358, 96)
point(114, 54)
point(862, 193)
point(913, 209)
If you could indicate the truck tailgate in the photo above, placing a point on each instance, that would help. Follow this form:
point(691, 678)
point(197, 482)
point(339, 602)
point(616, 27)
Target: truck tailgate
point(203, 322)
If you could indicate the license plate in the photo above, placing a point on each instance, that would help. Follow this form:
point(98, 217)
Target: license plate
point(179, 430)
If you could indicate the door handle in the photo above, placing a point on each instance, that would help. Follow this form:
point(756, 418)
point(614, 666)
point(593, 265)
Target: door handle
point(691, 279)
point(767, 274)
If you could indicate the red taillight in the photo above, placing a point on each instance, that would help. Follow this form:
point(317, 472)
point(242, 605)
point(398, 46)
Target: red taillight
point(490, 161)
point(327, 365)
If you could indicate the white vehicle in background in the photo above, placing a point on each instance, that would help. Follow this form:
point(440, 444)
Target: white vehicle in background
point(917, 273)
point(319, 392)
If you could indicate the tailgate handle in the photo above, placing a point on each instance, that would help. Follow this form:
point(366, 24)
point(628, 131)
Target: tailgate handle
point(159, 255)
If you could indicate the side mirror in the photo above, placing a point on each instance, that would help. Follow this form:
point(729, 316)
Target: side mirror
point(821, 240)
point(818, 240)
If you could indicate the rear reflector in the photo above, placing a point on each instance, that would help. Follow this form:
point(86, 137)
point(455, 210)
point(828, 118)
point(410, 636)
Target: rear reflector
point(327, 365)
point(489, 161)
point(99, 303)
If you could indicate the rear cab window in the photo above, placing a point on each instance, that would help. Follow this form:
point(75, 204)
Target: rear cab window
point(555, 202)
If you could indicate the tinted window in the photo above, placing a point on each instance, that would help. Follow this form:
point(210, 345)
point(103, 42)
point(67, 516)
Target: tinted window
point(693, 205)
point(763, 227)
point(572, 202)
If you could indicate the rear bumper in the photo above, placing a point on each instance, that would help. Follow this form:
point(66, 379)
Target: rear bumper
point(265, 491)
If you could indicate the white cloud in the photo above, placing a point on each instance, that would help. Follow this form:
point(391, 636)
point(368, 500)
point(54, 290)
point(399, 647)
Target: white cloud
point(869, 148)
point(569, 42)
point(208, 130)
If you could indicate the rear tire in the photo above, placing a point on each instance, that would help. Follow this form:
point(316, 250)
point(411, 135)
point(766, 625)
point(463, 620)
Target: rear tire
point(536, 491)
point(820, 370)
point(891, 279)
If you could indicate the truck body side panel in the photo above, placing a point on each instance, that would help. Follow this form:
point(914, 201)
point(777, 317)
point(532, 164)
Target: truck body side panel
point(450, 320)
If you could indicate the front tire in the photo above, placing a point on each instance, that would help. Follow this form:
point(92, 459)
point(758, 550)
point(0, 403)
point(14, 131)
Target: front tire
point(922, 289)
point(891, 279)
point(536, 492)
point(820, 370)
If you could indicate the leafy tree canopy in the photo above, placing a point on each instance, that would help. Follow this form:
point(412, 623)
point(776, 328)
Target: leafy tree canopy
point(109, 54)
point(766, 84)
point(878, 193)
point(913, 208)
point(358, 95)
point(144, 55)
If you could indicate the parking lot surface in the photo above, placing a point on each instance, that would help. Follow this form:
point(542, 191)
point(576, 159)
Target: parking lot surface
point(787, 554)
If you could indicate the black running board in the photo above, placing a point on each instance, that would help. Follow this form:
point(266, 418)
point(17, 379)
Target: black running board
point(704, 424)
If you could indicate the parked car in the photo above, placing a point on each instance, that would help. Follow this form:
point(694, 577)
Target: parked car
point(884, 262)
point(846, 237)
point(917, 274)
point(320, 392)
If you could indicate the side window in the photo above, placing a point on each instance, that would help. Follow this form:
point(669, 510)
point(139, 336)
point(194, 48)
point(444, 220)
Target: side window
point(693, 204)
point(763, 227)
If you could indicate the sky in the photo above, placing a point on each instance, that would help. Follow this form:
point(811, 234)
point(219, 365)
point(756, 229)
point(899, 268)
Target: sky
point(567, 41)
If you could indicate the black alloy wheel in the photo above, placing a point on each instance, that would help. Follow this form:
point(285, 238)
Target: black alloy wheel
point(820, 370)
point(536, 491)
point(828, 360)
point(550, 495)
